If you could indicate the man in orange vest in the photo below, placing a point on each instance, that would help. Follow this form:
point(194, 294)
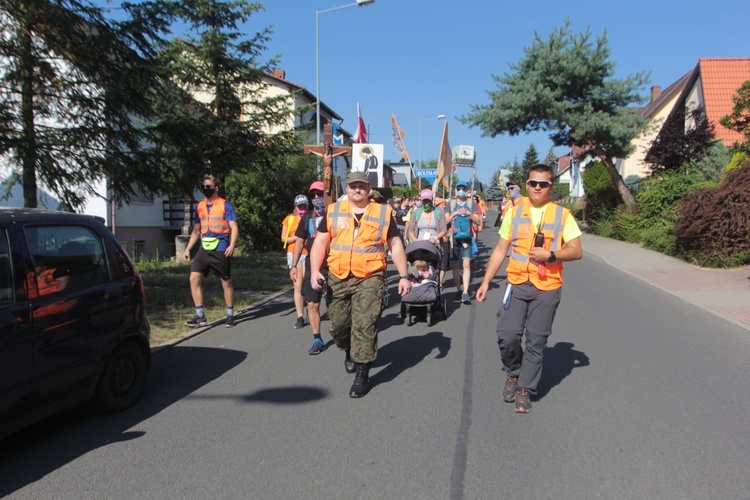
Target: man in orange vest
point(215, 225)
point(541, 236)
point(357, 232)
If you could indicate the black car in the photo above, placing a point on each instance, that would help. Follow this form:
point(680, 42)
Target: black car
point(72, 317)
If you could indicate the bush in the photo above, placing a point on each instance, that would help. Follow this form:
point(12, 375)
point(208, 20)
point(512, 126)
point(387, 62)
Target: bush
point(627, 224)
point(601, 194)
point(659, 196)
point(713, 228)
point(660, 237)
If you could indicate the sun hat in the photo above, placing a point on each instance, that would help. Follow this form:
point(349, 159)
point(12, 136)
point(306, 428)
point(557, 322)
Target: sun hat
point(301, 199)
point(461, 183)
point(440, 201)
point(317, 186)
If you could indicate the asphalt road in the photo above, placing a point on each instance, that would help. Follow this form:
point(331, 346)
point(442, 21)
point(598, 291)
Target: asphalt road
point(641, 396)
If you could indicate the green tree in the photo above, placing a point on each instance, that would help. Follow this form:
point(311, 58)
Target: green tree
point(262, 198)
point(530, 158)
point(517, 173)
point(565, 85)
point(495, 189)
point(739, 118)
point(225, 129)
point(551, 159)
point(74, 92)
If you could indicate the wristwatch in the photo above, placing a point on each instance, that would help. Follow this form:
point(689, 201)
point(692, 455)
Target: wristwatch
point(552, 257)
point(403, 277)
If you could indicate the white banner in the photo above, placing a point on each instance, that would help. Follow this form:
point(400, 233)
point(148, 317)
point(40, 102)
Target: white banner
point(368, 158)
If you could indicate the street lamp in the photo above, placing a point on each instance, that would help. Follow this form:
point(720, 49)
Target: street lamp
point(359, 3)
point(438, 117)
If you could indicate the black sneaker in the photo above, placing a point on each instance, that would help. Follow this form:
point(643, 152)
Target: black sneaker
point(229, 323)
point(197, 321)
point(317, 347)
point(523, 401)
point(465, 298)
point(300, 323)
point(509, 392)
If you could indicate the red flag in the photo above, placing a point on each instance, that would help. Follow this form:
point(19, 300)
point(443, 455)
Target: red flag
point(360, 136)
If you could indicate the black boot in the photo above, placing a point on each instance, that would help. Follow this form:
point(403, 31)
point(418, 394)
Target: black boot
point(361, 381)
point(349, 364)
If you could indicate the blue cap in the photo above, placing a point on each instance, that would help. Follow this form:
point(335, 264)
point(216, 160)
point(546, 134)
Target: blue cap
point(462, 183)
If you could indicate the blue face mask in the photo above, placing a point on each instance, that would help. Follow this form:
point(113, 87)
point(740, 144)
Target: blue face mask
point(318, 204)
point(461, 193)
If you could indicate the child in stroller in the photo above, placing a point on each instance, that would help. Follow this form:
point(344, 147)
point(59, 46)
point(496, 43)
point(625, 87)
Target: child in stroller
point(424, 260)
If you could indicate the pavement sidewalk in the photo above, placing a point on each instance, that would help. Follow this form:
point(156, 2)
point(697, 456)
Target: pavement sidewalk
point(723, 292)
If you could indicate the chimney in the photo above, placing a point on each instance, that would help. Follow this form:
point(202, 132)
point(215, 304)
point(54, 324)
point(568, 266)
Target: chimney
point(281, 74)
point(655, 92)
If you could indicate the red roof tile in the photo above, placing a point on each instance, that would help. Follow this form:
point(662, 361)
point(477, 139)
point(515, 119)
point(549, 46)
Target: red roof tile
point(720, 79)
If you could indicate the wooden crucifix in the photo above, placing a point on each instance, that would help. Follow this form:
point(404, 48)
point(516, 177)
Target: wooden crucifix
point(328, 152)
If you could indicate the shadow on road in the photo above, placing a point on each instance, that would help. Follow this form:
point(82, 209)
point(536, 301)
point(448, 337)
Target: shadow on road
point(559, 362)
point(407, 352)
point(43, 448)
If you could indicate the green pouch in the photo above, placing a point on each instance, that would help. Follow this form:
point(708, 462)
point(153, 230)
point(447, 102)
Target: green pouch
point(209, 243)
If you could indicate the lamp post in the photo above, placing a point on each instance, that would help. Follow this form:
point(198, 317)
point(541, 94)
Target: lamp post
point(438, 117)
point(358, 3)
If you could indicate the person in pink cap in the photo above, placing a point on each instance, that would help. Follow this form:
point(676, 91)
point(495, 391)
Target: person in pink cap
point(306, 232)
point(427, 223)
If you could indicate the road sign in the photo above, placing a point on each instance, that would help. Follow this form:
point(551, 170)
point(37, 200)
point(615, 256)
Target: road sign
point(426, 172)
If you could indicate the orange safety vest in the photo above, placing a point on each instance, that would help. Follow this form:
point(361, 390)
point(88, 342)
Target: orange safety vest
point(292, 223)
point(46, 282)
point(357, 248)
point(215, 221)
point(522, 269)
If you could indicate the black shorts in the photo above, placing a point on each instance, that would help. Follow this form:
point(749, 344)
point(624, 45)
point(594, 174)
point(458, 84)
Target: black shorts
point(308, 292)
point(212, 260)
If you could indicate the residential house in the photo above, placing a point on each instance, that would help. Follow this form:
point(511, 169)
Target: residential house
point(657, 110)
point(709, 91)
point(570, 169)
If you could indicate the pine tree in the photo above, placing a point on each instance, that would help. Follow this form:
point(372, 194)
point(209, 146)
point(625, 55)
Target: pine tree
point(495, 189)
point(74, 89)
point(565, 85)
point(227, 128)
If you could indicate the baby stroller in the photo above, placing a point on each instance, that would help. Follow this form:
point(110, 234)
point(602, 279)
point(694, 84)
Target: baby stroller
point(425, 294)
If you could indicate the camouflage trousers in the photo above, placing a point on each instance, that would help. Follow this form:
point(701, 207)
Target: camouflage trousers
point(354, 312)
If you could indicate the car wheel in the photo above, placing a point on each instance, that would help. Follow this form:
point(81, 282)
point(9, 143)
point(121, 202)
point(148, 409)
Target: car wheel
point(122, 379)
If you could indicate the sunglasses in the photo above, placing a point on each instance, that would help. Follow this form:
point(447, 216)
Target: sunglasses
point(541, 184)
point(316, 193)
point(206, 186)
point(360, 187)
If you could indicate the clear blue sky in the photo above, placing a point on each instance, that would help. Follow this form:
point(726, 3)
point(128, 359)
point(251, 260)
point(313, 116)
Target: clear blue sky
point(421, 58)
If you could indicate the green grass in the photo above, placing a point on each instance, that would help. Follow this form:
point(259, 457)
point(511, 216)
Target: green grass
point(169, 303)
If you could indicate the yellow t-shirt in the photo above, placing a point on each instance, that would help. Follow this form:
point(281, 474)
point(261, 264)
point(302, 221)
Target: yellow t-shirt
point(571, 230)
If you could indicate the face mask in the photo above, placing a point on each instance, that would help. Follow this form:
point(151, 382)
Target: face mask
point(515, 193)
point(461, 193)
point(208, 192)
point(427, 208)
point(319, 204)
point(418, 204)
point(301, 212)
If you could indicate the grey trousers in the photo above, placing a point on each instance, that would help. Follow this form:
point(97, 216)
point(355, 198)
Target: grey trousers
point(532, 312)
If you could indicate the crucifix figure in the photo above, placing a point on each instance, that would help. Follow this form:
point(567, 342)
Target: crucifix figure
point(328, 152)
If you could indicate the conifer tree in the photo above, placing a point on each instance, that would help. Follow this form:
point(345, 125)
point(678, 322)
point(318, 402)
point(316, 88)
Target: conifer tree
point(565, 85)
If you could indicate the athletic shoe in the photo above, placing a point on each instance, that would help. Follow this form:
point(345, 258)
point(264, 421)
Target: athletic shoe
point(229, 323)
point(197, 321)
point(465, 298)
point(300, 323)
point(509, 392)
point(523, 401)
point(317, 347)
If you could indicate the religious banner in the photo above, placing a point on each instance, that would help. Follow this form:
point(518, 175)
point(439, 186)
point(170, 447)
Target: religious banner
point(445, 161)
point(397, 135)
point(368, 158)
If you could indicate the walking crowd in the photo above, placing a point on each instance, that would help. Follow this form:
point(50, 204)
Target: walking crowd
point(341, 252)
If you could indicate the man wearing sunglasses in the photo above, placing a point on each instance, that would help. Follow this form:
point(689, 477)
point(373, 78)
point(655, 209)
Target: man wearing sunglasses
point(215, 225)
point(541, 236)
point(357, 232)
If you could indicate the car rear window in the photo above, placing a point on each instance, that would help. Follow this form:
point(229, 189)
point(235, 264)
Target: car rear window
point(6, 280)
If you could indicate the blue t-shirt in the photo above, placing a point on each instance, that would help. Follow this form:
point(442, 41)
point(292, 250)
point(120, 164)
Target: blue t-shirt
point(229, 216)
